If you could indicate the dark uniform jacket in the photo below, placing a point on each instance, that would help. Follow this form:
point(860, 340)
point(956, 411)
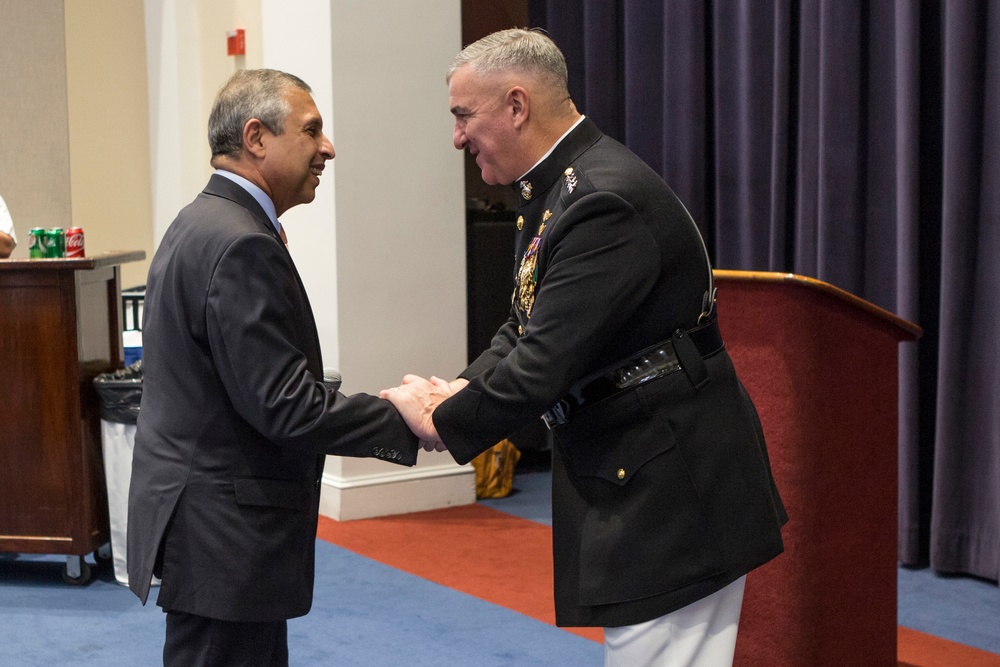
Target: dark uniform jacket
point(662, 493)
point(235, 422)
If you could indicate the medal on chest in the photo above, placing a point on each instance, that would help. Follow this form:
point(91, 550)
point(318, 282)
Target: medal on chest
point(527, 274)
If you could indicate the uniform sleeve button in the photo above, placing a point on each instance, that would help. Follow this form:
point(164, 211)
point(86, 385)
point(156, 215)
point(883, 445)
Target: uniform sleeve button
point(621, 473)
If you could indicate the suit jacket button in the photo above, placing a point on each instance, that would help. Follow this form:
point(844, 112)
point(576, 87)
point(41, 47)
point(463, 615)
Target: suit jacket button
point(621, 473)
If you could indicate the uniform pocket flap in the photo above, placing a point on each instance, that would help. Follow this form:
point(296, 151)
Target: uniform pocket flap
point(290, 494)
point(614, 440)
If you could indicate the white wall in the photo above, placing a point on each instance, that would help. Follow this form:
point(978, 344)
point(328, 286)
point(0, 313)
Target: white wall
point(34, 128)
point(108, 143)
point(73, 140)
point(400, 210)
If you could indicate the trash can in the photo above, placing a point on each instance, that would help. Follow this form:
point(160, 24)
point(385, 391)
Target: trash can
point(119, 394)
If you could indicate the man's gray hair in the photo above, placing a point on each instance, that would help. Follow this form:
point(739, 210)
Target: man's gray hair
point(249, 93)
point(517, 50)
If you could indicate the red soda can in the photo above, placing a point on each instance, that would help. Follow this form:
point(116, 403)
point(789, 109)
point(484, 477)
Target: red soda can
point(74, 242)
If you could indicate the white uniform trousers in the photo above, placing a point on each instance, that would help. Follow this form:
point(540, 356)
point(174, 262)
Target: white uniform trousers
point(702, 634)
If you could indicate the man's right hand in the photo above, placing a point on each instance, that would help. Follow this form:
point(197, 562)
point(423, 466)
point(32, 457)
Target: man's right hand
point(416, 400)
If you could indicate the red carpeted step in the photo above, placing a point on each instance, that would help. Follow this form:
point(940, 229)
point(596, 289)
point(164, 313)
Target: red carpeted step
point(918, 649)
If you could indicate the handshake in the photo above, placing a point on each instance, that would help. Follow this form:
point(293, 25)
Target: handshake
point(416, 399)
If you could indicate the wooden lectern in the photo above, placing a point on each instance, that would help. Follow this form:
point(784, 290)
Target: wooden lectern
point(60, 326)
point(822, 367)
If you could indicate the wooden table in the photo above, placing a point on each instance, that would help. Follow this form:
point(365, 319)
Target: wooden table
point(60, 326)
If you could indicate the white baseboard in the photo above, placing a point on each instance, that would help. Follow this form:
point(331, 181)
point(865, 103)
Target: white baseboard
point(412, 490)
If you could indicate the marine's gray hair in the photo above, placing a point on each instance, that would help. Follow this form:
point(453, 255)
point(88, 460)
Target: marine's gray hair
point(250, 93)
point(516, 50)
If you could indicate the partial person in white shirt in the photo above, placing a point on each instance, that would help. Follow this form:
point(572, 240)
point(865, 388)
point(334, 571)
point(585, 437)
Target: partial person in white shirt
point(8, 240)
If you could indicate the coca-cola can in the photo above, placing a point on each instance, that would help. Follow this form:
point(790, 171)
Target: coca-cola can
point(74, 242)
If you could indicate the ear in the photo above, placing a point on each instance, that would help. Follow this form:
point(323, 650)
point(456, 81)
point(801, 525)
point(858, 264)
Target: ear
point(253, 137)
point(519, 103)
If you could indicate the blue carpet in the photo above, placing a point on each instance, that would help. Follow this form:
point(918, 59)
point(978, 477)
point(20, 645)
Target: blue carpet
point(376, 615)
point(530, 498)
point(961, 609)
point(364, 613)
point(43, 621)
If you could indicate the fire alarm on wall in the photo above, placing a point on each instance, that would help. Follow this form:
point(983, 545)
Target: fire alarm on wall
point(236, 43)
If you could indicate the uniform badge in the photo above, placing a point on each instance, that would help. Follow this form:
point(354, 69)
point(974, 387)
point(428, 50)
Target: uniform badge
point(525, 190)
point(520, 222)
point(570, 180)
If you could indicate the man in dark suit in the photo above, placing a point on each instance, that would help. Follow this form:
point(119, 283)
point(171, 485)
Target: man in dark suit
point(235, 419)
point(662, 494)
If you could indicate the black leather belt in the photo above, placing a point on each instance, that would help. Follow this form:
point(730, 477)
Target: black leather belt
point(683, 351)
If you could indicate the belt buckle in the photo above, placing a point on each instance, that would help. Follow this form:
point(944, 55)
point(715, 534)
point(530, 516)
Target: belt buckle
point(556, 415)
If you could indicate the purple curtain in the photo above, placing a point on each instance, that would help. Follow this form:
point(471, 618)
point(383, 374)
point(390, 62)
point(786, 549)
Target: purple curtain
point(855, 141)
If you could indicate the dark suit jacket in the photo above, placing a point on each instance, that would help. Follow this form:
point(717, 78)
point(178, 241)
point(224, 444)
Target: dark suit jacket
point(661, 494)
point(234, 421)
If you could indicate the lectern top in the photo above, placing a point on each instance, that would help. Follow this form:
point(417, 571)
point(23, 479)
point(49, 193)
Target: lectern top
point(905, 326)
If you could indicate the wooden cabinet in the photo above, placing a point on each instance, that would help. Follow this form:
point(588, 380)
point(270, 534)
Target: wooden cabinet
point(60, 326)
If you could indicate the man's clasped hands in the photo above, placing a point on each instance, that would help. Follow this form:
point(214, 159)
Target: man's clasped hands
point(416, 399)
